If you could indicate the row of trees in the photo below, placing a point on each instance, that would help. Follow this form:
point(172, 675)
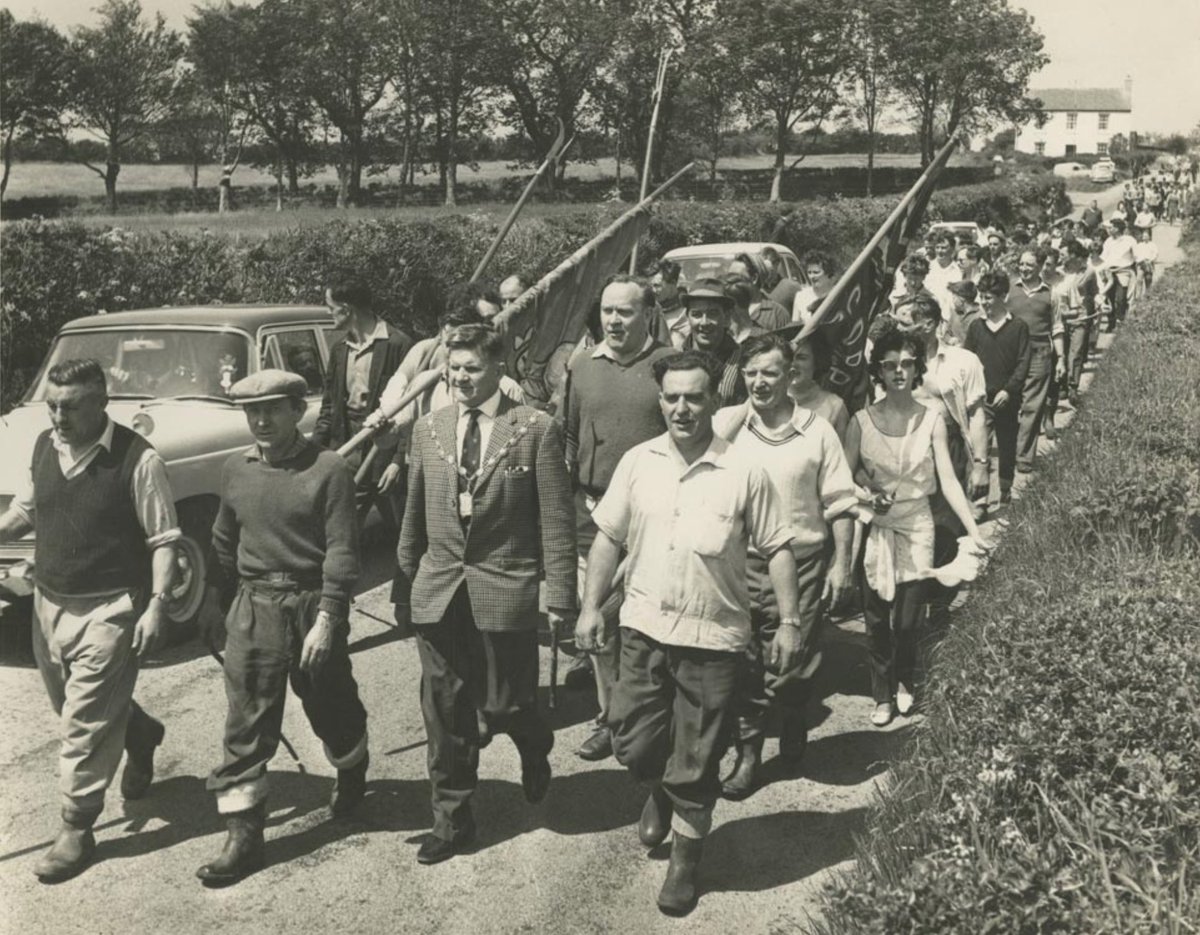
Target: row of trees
point(412, 82)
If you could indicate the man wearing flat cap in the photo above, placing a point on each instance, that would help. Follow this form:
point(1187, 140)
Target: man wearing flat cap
point(286, 540)
point(710, 309)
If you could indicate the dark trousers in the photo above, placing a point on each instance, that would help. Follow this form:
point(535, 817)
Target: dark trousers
point(1033, 401)
point(892, 636)
point(1077, 344)
point(764, 689)
point(672, 716)
point(474, 684)
point(366, 489)
point(1119, 302)
point(1003, 422)
point(265, 631)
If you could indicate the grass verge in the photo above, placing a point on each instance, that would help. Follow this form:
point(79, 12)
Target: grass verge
point(1055, 784)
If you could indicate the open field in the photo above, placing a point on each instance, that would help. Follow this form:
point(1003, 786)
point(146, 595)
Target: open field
point(30, 179)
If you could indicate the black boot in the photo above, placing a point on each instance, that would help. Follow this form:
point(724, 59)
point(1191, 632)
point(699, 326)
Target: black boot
point(744, 781)
point(243, 851)
point(349, 789)
point(655, 823)
point(678, 894)
point(793, 737)
point(140, 742)
point(71, 852)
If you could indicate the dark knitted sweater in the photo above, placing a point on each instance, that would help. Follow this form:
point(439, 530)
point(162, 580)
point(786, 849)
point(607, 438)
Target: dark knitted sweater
point(1004, 354)
point(294, 516)
point(609, 408)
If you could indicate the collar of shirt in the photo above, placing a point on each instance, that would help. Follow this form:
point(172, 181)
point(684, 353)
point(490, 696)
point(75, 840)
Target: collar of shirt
point(104, 441)
point(489, 407)
point(487, 418)
point(380, 333)
point(714, 454)
point(1035, 290)
point(603, 350)
point(800, 420)
point(997, 325)
point(255, 452)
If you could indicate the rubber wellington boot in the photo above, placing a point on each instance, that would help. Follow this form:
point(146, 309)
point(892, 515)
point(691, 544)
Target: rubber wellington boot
point(71, 851)
point(242, 854)
point(678, 894)
point(744, 781)
point(139, 757)
point(655, 823)
point(349, 789)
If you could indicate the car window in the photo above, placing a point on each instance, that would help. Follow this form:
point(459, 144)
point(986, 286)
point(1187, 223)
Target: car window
point(299, 353)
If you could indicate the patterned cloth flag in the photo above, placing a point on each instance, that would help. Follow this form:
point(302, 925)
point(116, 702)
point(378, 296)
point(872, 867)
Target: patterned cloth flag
point(862, 292)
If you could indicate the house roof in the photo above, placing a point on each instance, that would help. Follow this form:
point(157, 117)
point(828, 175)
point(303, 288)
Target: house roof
point(1076, 99)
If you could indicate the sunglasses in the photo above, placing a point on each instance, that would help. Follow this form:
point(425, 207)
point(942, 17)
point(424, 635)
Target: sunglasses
point(905, 363)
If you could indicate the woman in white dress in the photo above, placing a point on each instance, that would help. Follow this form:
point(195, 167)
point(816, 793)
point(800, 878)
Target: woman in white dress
point(897, 449)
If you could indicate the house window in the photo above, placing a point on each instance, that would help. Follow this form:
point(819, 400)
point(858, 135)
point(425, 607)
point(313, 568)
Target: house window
point(1070, 149)
point(1103, 119)
point(1039, 148)
point(1102, 149)
point(1071, 121)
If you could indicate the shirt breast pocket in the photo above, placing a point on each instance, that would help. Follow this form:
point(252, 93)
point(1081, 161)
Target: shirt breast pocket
point(709, 535)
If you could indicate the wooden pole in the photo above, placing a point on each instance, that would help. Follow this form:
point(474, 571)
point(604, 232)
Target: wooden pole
point(421, 382)
point(659, 82)
point(550, 160)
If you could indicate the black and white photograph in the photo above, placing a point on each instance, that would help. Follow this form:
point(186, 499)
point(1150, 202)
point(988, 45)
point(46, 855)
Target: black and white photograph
point(472, 467)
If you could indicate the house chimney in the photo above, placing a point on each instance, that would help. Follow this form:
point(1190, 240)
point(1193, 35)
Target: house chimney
point(1129, 90)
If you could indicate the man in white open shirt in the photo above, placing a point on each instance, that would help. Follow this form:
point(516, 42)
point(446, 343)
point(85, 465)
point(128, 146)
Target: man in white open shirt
point(687, 508)
point(1119, 259)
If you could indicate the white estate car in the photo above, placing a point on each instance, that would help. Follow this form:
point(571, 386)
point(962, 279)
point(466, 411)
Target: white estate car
point(1104, 170)
point(710, 259)
point(169, 370)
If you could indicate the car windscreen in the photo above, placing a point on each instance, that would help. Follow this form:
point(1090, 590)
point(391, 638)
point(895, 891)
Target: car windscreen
point(713, 266)
point(154, 363)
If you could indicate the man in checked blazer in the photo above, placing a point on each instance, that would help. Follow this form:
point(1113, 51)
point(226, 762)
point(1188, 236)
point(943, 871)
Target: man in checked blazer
point(489, 511)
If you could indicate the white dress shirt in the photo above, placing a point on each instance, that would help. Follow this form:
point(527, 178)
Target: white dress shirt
point(487, 418)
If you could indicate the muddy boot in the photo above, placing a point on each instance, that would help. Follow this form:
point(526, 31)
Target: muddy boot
point(744, 781)
point(71, 851)
point(243, 851)
point(349, 789)
point(678, 894)
point(141, 739)
point(655, 823)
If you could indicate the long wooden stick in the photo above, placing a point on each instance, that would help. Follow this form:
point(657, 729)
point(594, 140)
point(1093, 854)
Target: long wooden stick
point(551, 159)
point(659, 82)
point(421, 382)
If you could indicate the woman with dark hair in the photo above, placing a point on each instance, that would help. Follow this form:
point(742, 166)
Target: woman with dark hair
point(810, 364)
point(821, 272)
point(897, 449)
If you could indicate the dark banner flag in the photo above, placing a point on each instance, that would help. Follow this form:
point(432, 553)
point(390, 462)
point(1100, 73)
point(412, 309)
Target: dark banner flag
point(846, 313)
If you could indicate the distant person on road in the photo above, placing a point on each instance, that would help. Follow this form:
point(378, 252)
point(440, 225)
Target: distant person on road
point(488, 514)
point(285, 557)
point(1070, 295)
point(685, 624)
point(1092, 216)
point(898, 451)
point(1145, 252)
point(1030, 301)
point(1119, 257)
point(1001, 342)
point(96, 496)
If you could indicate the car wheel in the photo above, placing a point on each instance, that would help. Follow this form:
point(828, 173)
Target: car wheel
point(191, 565)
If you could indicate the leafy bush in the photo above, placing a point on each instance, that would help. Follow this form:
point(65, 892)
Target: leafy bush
point(54, 272)
point(1055, 784)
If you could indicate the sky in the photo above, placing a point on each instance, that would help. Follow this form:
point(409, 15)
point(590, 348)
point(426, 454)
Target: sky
point(1091, 43)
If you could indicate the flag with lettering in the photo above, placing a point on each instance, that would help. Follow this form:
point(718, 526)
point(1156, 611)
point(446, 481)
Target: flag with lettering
point(862, 292)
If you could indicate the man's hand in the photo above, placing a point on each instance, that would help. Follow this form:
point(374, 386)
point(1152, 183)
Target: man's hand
point(1060, 369)
point(148, 630)
point(318, 644)
point(589, 631)
point(837, 584)
point(1000, 400)
point(374, 420)
point(387, 480)
point(558, 619)
point(789, 648)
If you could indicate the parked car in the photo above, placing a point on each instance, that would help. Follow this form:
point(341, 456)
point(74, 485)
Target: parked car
point(970, 228)
point(1104, 170)
point(169, 374)
point(1070, 170)
point(710, 259)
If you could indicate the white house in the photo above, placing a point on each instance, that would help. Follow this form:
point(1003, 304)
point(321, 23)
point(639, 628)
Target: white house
point(1080, 120)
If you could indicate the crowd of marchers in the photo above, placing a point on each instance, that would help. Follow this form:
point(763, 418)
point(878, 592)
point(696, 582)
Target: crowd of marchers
point(692, 503)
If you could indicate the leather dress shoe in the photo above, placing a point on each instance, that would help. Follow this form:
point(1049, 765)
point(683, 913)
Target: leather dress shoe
point(243, 851)
point(434, 850)
point(655, 823)
point(349, 789)
point(744, 781)
point(69, 855)
point(596, 747)
point(139, 761)
point(535, 777)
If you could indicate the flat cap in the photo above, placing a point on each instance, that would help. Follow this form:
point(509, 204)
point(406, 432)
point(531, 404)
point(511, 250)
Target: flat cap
point(268, 384)
point(706, 288)
point(964, 288)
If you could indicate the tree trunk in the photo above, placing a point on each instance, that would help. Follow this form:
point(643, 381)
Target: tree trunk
point(278, 186)
point(195, 176)
point(293, 177)
point(781, 134)
point(451, 188)
point(7, 165)
point(111, 171)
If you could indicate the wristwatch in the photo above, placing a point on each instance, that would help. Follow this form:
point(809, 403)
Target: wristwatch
point(161, 596)
point(791, 622)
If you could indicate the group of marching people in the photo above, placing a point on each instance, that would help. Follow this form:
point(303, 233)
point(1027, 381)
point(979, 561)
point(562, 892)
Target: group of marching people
point(688, 498)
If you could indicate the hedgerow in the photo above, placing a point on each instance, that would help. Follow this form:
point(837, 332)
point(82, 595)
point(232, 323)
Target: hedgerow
point(1055, 783)
point(57, 271)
